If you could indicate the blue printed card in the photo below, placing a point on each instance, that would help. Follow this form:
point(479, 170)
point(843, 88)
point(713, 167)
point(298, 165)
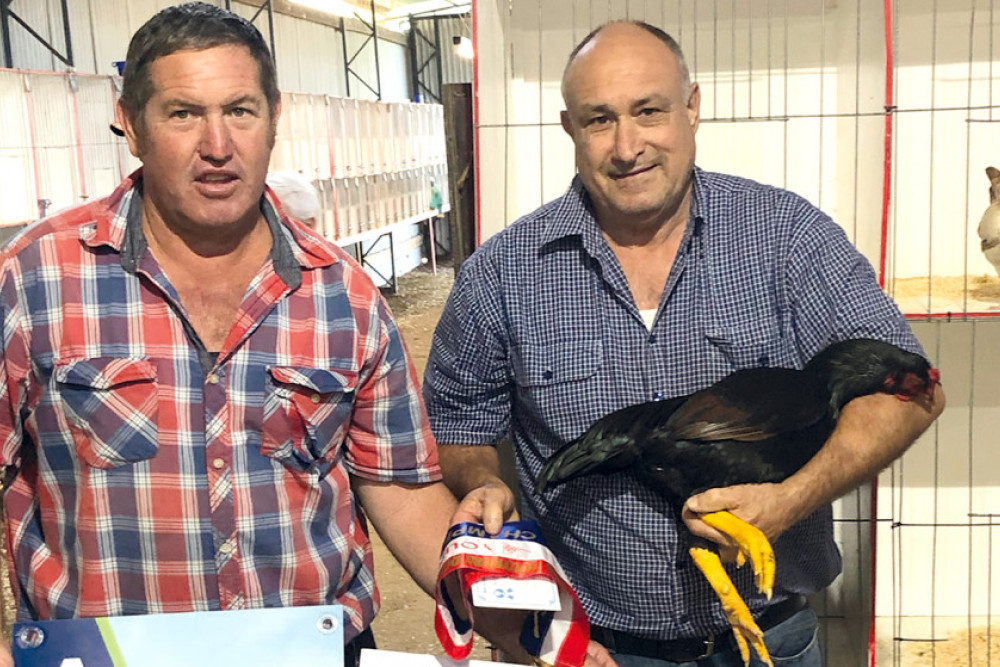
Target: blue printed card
point(277, 637)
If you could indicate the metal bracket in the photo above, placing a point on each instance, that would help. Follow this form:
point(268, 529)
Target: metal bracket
point(418, 70)
point(349, 60)
point(7, 14)
point(270, 22)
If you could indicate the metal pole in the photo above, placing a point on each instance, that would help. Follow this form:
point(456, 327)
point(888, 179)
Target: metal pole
point(412, 40)
point(347, 60)
point(5, 26)
point(270, 29)
point(440, 57)
point(378, 75)
point(66, 33)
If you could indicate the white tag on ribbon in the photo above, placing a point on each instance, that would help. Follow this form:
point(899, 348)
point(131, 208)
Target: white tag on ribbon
point(505, 593)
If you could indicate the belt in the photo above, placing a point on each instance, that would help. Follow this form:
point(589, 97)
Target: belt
point(689, 649)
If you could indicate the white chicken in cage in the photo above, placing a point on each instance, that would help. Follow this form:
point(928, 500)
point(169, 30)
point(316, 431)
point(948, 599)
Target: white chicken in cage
point(989, 225)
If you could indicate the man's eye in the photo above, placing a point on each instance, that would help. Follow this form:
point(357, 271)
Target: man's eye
point(598, 120)
point(239, 112)
point(649, 111)
point(180, 114)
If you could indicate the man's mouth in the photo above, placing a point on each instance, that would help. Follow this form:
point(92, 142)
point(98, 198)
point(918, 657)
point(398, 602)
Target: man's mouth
point(634, 172)
point(216, 184)
point(216, 177)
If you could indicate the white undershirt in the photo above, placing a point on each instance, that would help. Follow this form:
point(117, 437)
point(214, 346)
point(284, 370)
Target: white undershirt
point(648, 316)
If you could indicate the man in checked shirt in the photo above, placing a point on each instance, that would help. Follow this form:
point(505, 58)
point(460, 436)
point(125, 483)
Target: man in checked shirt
point(202, 401)
point(649, 279)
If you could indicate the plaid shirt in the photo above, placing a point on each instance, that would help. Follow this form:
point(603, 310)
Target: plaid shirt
point(541, 337)
point(154, 477)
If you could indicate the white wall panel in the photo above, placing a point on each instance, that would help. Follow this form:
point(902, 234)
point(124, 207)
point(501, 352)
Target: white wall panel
point(317, 54)
point(111, 23)
point(395, 68)
point(17, 189)
point(53, 125)
point(97, 146)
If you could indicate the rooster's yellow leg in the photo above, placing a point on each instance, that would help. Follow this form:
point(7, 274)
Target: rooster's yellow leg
point(752, 542)
point(745, 629)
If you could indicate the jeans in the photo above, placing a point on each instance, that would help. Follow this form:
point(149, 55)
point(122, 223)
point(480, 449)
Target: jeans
point(794, 643)
point(352, 649)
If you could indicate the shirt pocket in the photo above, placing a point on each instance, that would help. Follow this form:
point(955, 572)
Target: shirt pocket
point(307, 412)
point(753, 345)
point(556, 381)
point(111, 405)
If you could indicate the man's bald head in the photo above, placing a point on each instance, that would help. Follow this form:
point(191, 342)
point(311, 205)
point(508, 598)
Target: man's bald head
point(587, 42)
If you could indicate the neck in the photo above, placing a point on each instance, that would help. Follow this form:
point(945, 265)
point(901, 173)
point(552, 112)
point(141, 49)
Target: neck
point(188, 242)
point(653, 231)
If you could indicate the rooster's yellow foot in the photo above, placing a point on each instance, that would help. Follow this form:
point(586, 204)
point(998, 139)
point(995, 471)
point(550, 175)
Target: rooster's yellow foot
point(752, 543)
point(745, 628)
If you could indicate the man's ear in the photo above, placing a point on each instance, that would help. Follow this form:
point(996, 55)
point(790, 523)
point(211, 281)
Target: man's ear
point(274, 123)
point(694, 106)
point(127, 126)
point(567, 124)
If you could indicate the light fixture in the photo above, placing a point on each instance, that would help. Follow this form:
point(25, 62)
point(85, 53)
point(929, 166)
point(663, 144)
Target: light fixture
point(463, 47)
point(335, 7)
point(429, 7)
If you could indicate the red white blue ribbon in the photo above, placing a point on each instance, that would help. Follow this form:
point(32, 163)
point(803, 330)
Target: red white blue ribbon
point(518, 551)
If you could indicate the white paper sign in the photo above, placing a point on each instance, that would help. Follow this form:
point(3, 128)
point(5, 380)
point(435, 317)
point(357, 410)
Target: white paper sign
point(534, 594)
point(378, 658)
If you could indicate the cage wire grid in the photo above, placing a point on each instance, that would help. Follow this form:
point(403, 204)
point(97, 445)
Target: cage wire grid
point(747, 56)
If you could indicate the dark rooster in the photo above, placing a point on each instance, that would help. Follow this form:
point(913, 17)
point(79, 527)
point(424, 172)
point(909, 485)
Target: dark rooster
point(758, 425)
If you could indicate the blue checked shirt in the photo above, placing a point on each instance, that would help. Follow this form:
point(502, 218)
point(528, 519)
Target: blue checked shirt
point(541, 337)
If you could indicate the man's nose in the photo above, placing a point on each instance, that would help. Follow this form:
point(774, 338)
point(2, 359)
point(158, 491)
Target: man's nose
point(216, 141)
point(628, 141)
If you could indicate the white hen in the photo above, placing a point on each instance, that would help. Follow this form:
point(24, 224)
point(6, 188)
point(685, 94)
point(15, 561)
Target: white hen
point(989, 225)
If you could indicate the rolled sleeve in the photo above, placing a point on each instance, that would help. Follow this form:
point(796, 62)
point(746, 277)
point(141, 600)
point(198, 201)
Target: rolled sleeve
point(390, 437)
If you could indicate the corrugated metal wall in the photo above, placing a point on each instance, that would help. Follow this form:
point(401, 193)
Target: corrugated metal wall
point(310, 55)
point(436, 50)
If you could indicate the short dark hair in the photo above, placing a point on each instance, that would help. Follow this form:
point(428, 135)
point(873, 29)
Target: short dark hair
point(193, 25)
point(659, 33)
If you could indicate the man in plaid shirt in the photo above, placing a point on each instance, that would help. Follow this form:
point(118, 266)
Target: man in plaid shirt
point(199, 394)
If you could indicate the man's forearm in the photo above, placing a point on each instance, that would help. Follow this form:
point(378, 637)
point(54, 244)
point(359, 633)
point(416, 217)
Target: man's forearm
point(871, 433)
point(412, 520)
point(469, 467)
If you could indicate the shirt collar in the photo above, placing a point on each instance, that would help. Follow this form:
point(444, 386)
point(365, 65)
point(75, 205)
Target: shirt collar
point(573, 215)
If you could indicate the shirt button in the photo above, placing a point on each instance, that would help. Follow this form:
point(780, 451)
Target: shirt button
point(213, 379)
point(658, 396)
point(547, 374)
point(218, 464)
point(226, 547)
point(314, 398)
